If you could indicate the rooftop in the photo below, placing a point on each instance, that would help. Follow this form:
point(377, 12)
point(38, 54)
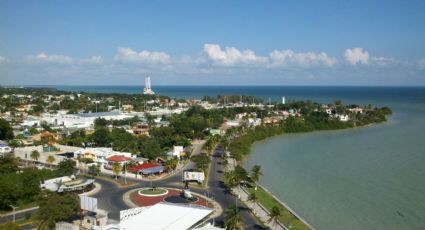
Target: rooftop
point(166, 216)
point(118, 158)
point(100, 114)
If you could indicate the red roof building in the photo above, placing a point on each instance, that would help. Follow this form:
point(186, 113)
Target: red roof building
point(137, 168)
point(118, 158)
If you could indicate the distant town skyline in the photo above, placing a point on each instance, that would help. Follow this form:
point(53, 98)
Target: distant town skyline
point(212, 43)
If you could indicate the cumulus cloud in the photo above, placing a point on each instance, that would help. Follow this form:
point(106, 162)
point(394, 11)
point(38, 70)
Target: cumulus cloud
point(230, 55)
point(356, 55)
point(93, 60)
point(2, 60)
point(150, 57)
point(421, 63)
point(383, 61)
point(289, 57)
point(53, 58)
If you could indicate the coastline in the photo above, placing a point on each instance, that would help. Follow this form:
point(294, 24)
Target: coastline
point(287, 207)
point(269, 193)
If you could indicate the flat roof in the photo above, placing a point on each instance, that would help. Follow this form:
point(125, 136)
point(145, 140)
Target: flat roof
point(99, 114)
point(166, 216)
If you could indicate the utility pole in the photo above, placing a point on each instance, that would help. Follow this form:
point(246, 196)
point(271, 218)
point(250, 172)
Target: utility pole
point(125, 173)
point(14, 208)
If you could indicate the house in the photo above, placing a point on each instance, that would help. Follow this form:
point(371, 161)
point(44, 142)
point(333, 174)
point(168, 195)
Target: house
point(254, 122)
point(178, 151)
point(116, 159)
point(343, 117)
point(97, 155)
point(127, 108)
point(5, 149)
point(147, 169)
point(141, 128)
point(356, 110)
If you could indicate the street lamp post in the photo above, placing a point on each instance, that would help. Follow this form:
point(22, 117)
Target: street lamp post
point(125, 173)
point(14, 208)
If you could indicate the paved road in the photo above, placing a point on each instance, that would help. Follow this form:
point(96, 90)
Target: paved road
point(217, 189)
point(110, 197)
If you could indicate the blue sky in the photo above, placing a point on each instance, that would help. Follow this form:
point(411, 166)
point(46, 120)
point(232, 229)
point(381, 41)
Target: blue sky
point(212, 42)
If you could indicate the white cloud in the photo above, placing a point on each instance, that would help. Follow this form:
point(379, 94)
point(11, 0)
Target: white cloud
point(93, 60)
point(2, 60)
point(383, 61)
point(54, 58)
point(289, 57)
point(421, 63)
point(230, 56)
point(151, 57)
point(356, 55)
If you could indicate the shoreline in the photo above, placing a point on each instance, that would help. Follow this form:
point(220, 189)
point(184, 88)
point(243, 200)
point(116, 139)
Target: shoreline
point(287, 207)
point(269, 193)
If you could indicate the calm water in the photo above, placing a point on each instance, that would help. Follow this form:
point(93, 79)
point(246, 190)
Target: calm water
point(364, 178)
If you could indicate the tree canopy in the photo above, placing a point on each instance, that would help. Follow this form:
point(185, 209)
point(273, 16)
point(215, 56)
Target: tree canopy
point(6, 131)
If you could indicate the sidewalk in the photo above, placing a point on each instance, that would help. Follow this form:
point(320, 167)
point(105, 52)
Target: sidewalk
point(258, 210)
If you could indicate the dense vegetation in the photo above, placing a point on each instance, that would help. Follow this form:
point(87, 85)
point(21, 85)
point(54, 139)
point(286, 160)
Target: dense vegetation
point(73, 101)
point(311, 120)
point(22, 187)
point(6, 131)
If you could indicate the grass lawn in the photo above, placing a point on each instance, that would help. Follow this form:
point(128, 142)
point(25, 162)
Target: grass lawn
point(153, 191)
point(286, 218)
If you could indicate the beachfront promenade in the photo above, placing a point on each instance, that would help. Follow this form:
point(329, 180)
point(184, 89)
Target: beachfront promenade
point(257, 209)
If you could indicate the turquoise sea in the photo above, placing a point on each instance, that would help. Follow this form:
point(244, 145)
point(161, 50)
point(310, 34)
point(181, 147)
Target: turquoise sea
point(363, 178)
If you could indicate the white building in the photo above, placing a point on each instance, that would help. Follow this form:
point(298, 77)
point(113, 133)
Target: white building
point(177, 151)
point(81, 120)
point(162, 216)
point(5, 149)
point(343, 117)
point(147, 90)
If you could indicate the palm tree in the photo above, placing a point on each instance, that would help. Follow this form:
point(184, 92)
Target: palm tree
point(253, 197)
point(230, 179)
point(255, 174)
point(274, 215)
point(35, 155)
point(233, 219)
point(116, 168)
point(50, 160)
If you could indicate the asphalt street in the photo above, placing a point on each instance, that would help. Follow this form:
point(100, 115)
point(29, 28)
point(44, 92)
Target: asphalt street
point(110, 197)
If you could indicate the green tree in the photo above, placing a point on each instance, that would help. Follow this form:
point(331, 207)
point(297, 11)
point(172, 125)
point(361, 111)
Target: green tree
point(54, 208)
point(255, 174)
point(6, 131)
point(274, 215)
point(35, 155)
point(201, 162)
point(171, 163)
point(233, 218)
point(230, 179)
point(101, 137)
point(100, 122)
point(94, 170)
point(241, 174)
point(116, 168)
point(66, 167)
point(50, 160)
point(8, 164)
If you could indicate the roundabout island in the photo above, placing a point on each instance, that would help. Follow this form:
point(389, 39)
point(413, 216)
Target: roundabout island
point(151, 196)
